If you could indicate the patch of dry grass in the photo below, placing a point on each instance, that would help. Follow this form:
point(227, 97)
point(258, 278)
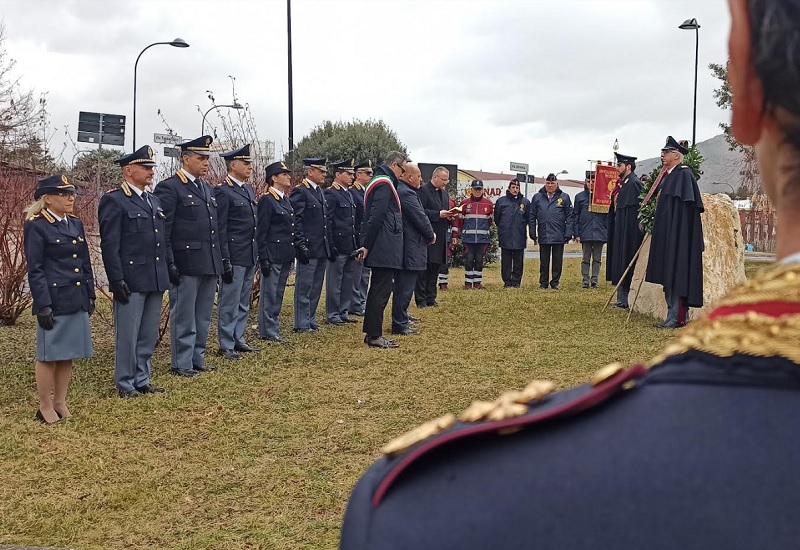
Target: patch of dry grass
point(263, 452)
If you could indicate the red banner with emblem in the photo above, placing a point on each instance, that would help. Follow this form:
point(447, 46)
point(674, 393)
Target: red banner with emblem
point(604, 183)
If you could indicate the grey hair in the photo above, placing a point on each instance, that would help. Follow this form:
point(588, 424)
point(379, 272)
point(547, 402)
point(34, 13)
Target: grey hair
point(395, 157)
point(440, 169)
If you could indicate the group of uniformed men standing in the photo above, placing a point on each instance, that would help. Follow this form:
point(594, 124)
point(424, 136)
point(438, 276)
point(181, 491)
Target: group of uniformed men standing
point(191, 239)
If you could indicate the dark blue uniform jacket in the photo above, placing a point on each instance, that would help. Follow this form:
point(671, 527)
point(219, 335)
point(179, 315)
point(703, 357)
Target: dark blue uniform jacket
point(312, 212)
point(343, 218)
point(382, 232)
point(276, 234)
point(589, 226)
point(551, 220)
point(191, 226)
point(59, 271)
point(511, 214)
point(133, 240)
point(236, 208)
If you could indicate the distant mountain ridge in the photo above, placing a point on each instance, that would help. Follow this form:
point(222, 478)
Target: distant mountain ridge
point(720, 164)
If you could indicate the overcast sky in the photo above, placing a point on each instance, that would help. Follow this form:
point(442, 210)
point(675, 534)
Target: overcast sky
point(470, 82)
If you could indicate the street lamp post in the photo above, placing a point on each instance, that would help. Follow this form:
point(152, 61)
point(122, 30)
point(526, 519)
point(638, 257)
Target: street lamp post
point(562, 172)
point(235, 105)
point(688, 25)
point(177, 43)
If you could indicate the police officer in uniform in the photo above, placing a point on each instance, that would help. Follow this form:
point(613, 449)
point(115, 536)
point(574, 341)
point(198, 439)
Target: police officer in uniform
point(61, 282)
point(695, 449)
point(278, 244)
point(314, 230)
point(341, 269)
point(361, 274)
point(236, 208)
point(133, 245)
point(193, 255)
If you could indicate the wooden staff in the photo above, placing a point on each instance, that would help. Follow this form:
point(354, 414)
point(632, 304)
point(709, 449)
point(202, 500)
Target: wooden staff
point(630, 266)
point(638, 290)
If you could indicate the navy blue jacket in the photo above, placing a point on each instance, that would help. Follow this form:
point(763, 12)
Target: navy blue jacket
point(343, 218)
point(382, 232)
point(236, 208)
point(276, 234)
point(59, 270)
point(191, 225)
point(312, 213)
point(357, 192)
point(133, 240)
point(417, 229)
point(551, 220)
point(511, 216)
point(589, 226)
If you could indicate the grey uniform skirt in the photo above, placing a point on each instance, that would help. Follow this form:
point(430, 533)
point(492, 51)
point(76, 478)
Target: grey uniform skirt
point(70, 338)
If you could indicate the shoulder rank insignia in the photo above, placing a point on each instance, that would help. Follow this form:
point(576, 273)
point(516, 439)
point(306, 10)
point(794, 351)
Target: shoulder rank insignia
point(126, 189)
point(46, 215)
point(228, 181)
point(182, 177)
point(508, 414)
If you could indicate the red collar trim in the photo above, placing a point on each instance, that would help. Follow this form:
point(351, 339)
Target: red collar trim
point(770, 309)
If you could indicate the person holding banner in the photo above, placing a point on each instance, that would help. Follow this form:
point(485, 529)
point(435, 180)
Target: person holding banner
point(676, 249)
point(590, 230)
point(624, 234)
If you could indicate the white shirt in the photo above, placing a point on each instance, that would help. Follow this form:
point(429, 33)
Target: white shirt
point(278, 191)
point(237, 182)
point(58, 218)
point(313, 185)
point(135, 189)
point(188, 175)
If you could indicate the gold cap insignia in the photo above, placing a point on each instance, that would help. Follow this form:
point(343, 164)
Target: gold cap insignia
point(64, 179)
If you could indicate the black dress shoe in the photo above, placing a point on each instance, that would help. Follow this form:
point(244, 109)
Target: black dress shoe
point(413, 319)
point(433, 304)
point(585, 285)
point(275, 339)
point(621, 306)
point(421, 304)
point(405, 332)
point(380, 342)
point(245, 348)
point(670, 324)
point(544, 287)
point(184, 373)
point(303, 330)
point(206, 367)
point(149, 388)
point(226, 354)
point(40, 417)
point(356, 313)
point(128, 393)
point(594, 285)
point(349, 320)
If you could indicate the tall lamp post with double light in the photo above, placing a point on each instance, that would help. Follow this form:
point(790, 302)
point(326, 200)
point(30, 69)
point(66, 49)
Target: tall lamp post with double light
point(235, 105)
point(176, 43)
point(693, 25)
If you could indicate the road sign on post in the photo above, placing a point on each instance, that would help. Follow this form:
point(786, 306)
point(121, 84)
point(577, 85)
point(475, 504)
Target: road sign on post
point(170, 139)
point(519, 167)
point(101, 128)
point(173, 152)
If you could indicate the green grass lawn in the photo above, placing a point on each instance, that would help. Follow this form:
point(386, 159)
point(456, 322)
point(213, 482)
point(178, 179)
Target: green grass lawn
point(263, 452)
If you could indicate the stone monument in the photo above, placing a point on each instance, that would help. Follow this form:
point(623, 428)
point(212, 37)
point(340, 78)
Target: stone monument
point(723, 261)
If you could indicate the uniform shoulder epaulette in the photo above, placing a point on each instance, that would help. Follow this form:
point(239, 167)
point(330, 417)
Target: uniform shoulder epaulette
point(72, 216)
point(508, 414)
point(308, 186)
point(336, 186)
point(274, 194)
point(46, 215)
point(126, 189)
point(228, 181)
point(182, 177)
point(760, 318)
point(685, 166)
point(116, 189)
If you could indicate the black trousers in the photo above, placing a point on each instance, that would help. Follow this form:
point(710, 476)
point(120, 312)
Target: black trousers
point(473, 263)
point(557, 252)
point(425, 289)
point(511, 264)
point(380, 288)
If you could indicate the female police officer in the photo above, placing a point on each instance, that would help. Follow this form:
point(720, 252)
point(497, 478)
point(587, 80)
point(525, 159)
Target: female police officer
point(62, 285)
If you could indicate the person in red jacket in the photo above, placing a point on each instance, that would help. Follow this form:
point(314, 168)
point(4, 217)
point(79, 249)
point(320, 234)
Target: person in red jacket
point(473, 226)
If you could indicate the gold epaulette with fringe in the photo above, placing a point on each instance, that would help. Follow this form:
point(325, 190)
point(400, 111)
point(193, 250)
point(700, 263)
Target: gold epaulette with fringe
point(760, 317)
point(126, 188)
point(182, 177)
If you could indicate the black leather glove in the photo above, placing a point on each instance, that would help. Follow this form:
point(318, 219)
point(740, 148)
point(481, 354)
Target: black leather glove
point(174, 274)
point(45, 318)
point(302, 254)
point(91, 306)
point(227, 271)
point(120, 291)
point(334, 253)
point(265, 269)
